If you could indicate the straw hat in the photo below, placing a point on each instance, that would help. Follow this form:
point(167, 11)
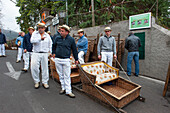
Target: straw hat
point(79, 31)
point(41, 25)
point(59, 27)
point(107, 29)
point(66, 28)
point(48, 32)
point(31, 28)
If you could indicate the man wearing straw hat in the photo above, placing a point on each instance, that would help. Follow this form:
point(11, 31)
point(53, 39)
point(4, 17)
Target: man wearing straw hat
point(82, 46)
point(2, 44)
point(106, 48)
point(62, 48)
point(27, 46)
point(19, 43)
point(42, 47)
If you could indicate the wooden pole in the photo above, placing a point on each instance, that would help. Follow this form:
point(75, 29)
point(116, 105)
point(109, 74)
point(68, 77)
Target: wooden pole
point(157, 11)
point(118, 49)
point(93, 18)
point(167, 82)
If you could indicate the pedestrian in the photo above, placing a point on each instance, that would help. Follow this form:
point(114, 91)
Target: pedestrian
point(132, 44)
point(82, 46)
point(62, 47)
point(19, 43)
point(106, 48)
point(57, 33)
point(2, 44)
point(42, 47)
point(27, 46)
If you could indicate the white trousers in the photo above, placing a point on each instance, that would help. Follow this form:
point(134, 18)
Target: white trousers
point(81, 57)
point(2, 49)
point(64, 70)
point(38, 59)
point(107, 57)
point(27, 57)
point(20, 52)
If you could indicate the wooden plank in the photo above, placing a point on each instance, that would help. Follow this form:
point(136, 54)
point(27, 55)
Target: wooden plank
point(167, 83)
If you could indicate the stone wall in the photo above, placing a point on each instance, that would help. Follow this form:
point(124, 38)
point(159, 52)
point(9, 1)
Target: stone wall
point(157, 47)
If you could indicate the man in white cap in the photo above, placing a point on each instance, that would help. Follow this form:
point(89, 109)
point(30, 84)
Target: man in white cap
point(2, 44)
point(62, 48)
point(42, 47)
point(82, 46)
point(27, 46)
point(106, 48)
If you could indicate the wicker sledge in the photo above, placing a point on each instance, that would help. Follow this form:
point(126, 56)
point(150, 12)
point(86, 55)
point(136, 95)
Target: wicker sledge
point(75, 78)
point(105, 78)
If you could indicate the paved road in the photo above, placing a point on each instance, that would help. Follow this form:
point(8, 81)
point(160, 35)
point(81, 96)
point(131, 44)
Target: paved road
point(19, 96)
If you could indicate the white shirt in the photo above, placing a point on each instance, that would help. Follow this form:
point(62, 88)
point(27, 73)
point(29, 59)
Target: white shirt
point(41, 45)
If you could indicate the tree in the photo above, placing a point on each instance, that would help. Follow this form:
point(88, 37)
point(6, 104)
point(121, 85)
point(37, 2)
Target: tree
point(30, 13)
point(79, 11)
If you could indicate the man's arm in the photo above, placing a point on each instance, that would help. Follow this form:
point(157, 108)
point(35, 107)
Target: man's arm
point(4, 38)
point(74, 50)
point(126, 43)
point(139, 42)
point(35, 38)
point(99, 46)
point(114, 46)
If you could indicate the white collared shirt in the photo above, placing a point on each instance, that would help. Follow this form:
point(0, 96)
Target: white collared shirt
point(41, 45)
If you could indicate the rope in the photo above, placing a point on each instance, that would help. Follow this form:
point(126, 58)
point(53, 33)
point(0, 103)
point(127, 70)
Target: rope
point(123, 70)
point(98, 90)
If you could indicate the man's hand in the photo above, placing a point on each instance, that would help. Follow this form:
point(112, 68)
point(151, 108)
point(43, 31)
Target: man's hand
point(42, 38)
point(99, 57)
point(115, 56)
point(76, 62)
point(53, 55)
point(25, 50)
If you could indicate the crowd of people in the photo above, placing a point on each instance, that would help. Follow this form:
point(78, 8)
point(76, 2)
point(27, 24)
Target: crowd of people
point(37, 46)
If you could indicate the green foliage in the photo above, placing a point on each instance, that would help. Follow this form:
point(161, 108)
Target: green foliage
point(79, 11)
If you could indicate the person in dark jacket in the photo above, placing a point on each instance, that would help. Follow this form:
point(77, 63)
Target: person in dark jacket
point(2, 44)
point(132, 44)
point(62, 47)
point(27, 46)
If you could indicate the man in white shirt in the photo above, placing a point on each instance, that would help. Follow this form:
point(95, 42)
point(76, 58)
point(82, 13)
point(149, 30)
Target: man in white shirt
point(42, 47)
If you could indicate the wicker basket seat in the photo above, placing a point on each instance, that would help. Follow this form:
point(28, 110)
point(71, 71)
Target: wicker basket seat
point(102, 71)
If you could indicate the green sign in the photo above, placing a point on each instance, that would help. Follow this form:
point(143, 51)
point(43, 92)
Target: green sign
point(140, 21)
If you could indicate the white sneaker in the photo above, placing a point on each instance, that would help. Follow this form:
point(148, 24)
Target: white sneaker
point(46, 86)
point(37, 85)
point(71, 95)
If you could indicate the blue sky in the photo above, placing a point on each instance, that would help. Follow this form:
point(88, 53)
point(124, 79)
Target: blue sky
point(10, 12)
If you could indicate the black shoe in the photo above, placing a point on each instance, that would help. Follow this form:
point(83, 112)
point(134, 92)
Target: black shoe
point(129, 75)
point(3, 55)
point(136, 75)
